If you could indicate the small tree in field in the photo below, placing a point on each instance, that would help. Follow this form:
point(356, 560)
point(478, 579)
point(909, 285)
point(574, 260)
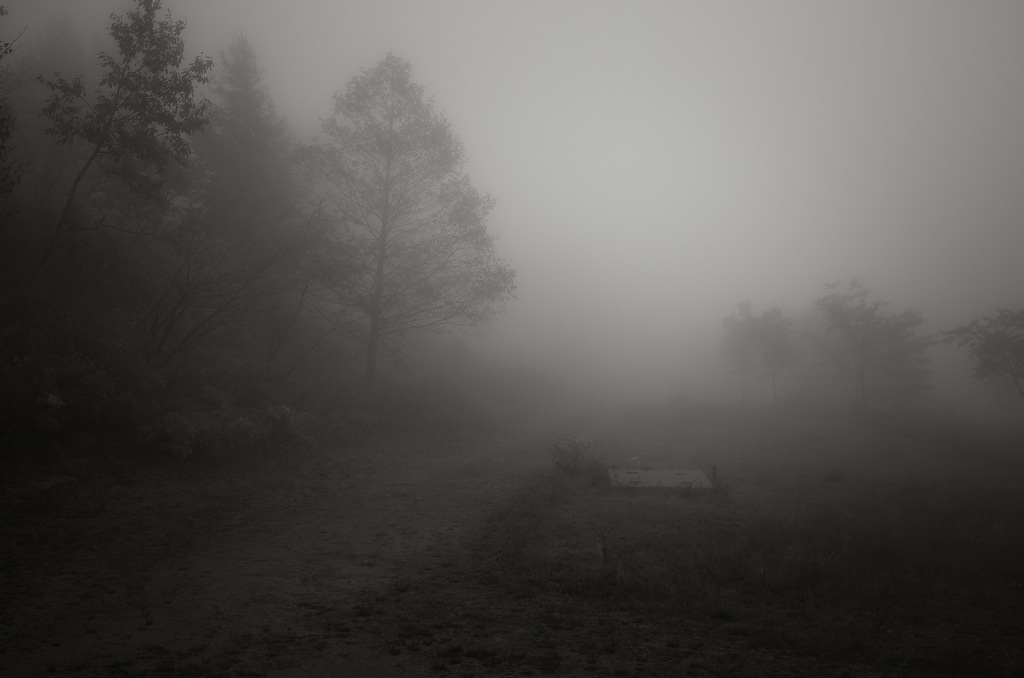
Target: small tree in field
point(140, 118)
point(882, 349)
point(997, 346)
point(411, 226)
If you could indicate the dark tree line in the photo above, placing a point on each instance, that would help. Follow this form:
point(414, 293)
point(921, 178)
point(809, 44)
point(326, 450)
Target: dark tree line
point(180, 273)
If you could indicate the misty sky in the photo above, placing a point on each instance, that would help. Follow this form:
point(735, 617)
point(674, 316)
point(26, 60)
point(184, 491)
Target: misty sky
point(657, 162)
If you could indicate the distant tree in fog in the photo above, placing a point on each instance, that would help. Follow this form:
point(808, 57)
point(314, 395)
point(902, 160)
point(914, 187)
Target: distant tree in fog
point(775, 345)
point(9, 172)
point(740, 343)
point(244, 150)
point(882, 350)
point(997, 346)
point(414, 229)
point(749, 341)
point(140, 118)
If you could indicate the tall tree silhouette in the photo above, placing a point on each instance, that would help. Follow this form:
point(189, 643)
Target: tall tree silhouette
point(414, 226)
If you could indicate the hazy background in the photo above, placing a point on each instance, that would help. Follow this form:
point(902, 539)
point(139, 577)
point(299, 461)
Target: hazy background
point(655, 163)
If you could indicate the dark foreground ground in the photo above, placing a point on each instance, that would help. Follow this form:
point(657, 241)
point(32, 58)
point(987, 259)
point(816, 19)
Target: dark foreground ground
point(405, 558)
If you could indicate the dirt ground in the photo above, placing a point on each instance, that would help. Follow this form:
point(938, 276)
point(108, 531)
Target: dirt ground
point(357, 562)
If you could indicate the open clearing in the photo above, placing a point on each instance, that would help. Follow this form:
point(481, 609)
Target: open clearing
point(824, 549)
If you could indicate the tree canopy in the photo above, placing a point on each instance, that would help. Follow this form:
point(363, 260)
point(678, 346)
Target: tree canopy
point(144, 111)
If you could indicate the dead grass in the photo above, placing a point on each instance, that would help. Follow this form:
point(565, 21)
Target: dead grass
point(824, 538)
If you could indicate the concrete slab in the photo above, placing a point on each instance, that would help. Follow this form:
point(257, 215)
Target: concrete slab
point(659, 478)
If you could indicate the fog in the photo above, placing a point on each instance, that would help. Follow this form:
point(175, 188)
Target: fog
point(656, 163)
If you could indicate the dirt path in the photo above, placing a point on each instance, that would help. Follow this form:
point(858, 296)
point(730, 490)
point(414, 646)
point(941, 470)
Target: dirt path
point(280, 573)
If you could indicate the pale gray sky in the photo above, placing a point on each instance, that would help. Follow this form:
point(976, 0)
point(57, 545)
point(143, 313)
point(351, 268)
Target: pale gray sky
point(657, 162)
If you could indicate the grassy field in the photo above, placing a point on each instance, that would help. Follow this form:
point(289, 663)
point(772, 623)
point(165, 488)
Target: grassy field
point(827, 547)
point(860, 542)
